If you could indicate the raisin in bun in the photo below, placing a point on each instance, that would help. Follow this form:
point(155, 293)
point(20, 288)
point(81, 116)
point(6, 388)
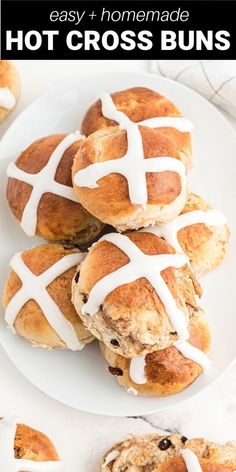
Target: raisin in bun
point(164, 372)
point(9, 88)
point(29, 445)
point(123, 201)
point(154, 453)
point(139, 104)
point(119, 305)
point(47, 317)
point(49, 207)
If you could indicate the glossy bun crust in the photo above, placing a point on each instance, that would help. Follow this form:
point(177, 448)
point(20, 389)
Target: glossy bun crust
point(59, 219)
point(33, 445)
point(133, 314)
point(9, 78)
point(31, 323)
point(154, 453)
point(167, 371)
point(140, 104)
point(206, 246)
point(110, 202)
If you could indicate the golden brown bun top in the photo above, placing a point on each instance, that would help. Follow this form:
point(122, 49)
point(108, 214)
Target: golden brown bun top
point(36, 156)
point(58, 218)
point(32, 160)
point(31, 444)
point(154, 453)
point(105, 257)
point(39, 258)
point(110, 144)
point(138, 103)
point(31, 322)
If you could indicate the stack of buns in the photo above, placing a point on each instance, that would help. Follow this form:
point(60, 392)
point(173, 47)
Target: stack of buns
point(136, 288)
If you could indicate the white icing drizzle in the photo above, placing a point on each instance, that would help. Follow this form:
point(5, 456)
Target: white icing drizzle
point(133, 166)
point(132, 391)
point(170, 231)
point(110, 111)
point(191, 460)
point(140, 265)
point(34, 287)
point(181, 124)
point(110, 457)
point(137, 370)
point(137, 364)
point(194, 354)
point(7, 98)
point(8, 462)
point(43, 182)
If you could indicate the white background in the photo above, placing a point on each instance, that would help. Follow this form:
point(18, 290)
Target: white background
point(79, 437)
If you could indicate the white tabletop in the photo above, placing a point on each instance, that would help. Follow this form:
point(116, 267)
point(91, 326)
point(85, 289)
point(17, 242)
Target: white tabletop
point(81, 438)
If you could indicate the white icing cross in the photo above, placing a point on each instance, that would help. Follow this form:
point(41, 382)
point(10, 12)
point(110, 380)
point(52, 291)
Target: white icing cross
point(170, 231)
point(43, 182)
point(140, 265)
point(7, 98)
point(34, 287)
point(191, 460)
point(8, 462)
point(137, 370)
point(133, 166)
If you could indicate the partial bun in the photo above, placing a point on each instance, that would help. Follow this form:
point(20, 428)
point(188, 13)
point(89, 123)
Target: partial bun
point(33, 445)
point(57, 218)
point(154, 453)
point(111, 200)
point(22, 446)
point(9, 88)
point(139, 104)
point(40, 324)
point(165, 372)
point(200, 231)
point(132, 319)
point(206, 245)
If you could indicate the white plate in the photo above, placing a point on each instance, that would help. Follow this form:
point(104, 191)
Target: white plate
point(80, 379)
